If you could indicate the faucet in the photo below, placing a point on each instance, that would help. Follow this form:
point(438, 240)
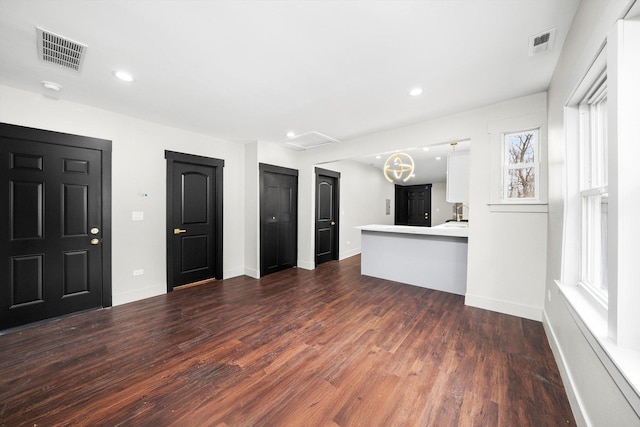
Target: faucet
point(459, 206)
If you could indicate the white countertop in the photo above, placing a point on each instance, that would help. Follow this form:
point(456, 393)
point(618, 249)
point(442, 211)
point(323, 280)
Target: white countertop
point(450, 229)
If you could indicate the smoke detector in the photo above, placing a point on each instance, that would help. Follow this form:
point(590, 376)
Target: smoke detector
point(542, 42)
point(60, 50)
point(309, 140)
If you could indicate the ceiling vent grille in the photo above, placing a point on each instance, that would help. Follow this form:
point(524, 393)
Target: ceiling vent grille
point(542, 42)
point(60, 50)
point(309, 140)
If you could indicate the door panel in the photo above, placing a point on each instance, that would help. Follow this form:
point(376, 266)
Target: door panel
point(75, 210)
point(327, 213)
point(26, 280)
point(194, 218)
point(195, 196)
point(278, 218)
point(26, 204)
point(53, 195)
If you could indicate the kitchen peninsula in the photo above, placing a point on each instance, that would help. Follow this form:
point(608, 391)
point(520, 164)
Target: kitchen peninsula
point(429, 257)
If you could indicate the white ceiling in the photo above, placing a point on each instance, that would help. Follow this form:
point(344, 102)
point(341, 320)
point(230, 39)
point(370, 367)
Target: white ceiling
point(254, 70)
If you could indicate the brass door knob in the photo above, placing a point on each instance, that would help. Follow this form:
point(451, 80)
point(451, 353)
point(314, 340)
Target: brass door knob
point(333, 223)
point(179, 231)
point(95, 241)
point(95, 230)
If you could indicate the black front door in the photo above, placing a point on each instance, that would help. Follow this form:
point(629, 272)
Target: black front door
point(413, 205)
point(53, 225)
point(327, 214)
point(419, 205)
point(278, 218)
point(194, 218)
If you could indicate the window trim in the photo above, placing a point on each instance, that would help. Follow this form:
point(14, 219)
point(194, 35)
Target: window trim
point(508, 167)
point(612, 332)
point(497, 129)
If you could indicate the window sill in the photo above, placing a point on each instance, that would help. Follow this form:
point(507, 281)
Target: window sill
point(621, 363)
point(519, 207)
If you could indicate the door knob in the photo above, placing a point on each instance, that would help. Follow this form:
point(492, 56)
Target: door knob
point(179, 231)
point(95, 241)
point(333, 223)
point(95, 230)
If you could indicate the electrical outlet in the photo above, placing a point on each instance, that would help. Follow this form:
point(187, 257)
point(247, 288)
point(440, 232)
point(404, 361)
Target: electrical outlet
point(138, 272)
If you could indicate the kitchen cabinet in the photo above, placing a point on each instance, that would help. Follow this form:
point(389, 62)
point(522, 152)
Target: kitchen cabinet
point(458, 177)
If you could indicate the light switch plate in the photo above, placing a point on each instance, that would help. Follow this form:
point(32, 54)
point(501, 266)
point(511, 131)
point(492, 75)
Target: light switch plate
point(137, 216)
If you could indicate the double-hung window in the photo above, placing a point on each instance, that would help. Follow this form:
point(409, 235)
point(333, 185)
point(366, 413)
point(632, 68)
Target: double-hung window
point(520, 180)
point(594, 192)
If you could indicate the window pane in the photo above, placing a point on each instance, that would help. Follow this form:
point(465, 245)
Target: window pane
point(520, 147)
point(594, 242)
point(604, 218)
point(521, 183)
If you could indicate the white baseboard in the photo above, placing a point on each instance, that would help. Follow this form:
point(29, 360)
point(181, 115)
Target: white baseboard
point(138, 294)
point(233, 273)
point(251, 272)
point(505, 307)
point(307, 265)
point(349, 253)
point(565, 374)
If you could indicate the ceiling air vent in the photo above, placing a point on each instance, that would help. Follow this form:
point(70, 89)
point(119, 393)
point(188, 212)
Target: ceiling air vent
point(60, 50)
point(311, 139)
point(542, 42)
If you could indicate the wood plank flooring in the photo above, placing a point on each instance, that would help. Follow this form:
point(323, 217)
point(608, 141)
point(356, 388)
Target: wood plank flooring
point(297, 348)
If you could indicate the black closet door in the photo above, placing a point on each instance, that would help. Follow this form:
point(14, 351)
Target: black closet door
point(278, 218)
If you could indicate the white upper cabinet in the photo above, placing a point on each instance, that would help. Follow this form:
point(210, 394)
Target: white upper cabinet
point(458, 177)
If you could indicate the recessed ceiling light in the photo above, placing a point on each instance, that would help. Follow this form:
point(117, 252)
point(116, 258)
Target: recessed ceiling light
point(438, 158)
point(378, 157)
point(425, 149)
point(415, 91)
point(123, 75)
point(291, 134)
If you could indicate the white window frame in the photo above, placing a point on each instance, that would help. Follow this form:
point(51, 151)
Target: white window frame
point(497, 131)
point(507, 167)
point(593, 150)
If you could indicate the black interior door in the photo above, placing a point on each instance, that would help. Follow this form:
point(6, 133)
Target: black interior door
point(52, 226)
point(194, 218)
point(327, 214)
point(413, 205)
point(419, 206)
point(278, 218)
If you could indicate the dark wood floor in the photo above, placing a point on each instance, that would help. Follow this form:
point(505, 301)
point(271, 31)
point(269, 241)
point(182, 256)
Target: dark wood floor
point(296, 348)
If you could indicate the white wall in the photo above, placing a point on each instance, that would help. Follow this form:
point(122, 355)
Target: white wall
point(251, 211)
point(363, 192)
point(139, 166)
point(441, 210)
point(594, 396)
